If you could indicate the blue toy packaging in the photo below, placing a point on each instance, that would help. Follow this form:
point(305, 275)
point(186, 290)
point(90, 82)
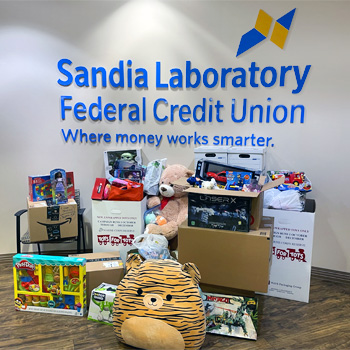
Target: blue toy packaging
point(50, 284)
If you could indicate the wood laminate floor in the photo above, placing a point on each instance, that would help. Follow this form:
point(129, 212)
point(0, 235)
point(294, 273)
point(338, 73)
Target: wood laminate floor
point(323, 323)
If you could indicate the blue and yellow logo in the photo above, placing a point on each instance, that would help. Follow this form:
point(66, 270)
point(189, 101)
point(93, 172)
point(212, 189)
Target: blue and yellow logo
point(262, 28)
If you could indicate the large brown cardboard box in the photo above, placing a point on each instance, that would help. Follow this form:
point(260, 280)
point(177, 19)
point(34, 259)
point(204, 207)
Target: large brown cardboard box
point(238, 260)
point(104, 267)
point(49, 223)
point(257, 198)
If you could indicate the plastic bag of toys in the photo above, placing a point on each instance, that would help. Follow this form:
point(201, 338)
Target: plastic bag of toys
point(152, 246)
point(285, 200)
point(153, 173)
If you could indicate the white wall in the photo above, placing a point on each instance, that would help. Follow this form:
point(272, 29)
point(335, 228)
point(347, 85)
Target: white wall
point(34, 36)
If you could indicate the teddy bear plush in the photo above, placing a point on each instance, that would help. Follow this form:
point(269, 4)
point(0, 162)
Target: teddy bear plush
point(172, 200)
point(158, 305)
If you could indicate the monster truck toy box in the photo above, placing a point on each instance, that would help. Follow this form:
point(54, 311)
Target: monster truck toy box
point(227, 210)
point(50, 223)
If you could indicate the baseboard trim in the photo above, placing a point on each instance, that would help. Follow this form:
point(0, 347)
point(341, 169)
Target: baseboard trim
point(331, 275)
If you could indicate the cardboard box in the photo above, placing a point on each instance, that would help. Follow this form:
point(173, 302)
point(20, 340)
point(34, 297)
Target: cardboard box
point(257, 200)
point(248, 157)
point(49, 223)
point(230, 259)
point(292, 252)
point(101, 303)
point(213, 153)
point(115, 224)
point(50, 284)
point(102, 267)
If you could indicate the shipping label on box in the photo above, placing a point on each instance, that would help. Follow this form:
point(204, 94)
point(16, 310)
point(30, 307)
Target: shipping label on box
point(52, 222)
point(292, 253)
point(235, 316)
point(101, 303)
point(115, 224)
point(219, 212)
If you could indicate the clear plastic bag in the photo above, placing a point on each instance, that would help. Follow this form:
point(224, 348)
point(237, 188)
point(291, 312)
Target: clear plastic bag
point(153, 174)
point(286, 200)
point(152, 246)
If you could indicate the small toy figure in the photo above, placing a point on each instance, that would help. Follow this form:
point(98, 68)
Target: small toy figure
point(59, 186)
point(195, 181)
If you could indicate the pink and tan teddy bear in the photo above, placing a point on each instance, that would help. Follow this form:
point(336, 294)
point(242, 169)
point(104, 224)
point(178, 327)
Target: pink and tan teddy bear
point(172, 199)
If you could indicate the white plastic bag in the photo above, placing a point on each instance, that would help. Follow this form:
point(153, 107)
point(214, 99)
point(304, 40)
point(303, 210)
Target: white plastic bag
point(285, 200)
point(153, 174)
point(152, 246)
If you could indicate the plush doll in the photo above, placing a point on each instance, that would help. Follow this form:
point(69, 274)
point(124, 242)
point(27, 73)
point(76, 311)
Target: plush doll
point(158, 306)
point(172, 200)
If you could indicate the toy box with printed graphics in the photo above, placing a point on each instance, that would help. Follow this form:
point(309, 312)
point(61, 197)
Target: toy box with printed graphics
point(40, 187)
point(219, 212)
point(115, 224)
point(236, 260)
point(52, 222)
point(102, 267)
point(254, 214)
point(50, 284)
point(121, 163)
point(101, 303)
point(235, 316)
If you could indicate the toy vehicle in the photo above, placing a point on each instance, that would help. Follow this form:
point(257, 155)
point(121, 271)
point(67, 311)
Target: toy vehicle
point(220, 177)
point(295, 178)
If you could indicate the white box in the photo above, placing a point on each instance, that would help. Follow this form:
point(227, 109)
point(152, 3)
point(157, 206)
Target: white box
point(212, 153)
point(248, 157)
point(290, 271)
point(115, 224)
point(101, 303)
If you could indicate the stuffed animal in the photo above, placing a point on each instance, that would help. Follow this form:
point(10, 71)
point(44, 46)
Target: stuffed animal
point(172, 200)
point(157, 305)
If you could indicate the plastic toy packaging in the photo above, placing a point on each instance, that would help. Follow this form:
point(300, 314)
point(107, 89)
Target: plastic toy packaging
point(153, 216)
point(286, 200)
point(59, 186)
point(152, 177)
point(152, 246)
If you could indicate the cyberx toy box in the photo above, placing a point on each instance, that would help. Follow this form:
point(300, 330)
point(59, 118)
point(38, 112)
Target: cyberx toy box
point(235, 316)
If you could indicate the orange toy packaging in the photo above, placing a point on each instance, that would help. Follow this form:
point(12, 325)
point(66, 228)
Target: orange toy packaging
point(50, 284)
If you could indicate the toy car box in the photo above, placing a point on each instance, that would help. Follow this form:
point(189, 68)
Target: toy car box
point(40, 187)
point(236, 260)
point(55, 222)
point(221, 204)
point(232, 315)
point(102, 267)
point(50, 284)
point(101, 303)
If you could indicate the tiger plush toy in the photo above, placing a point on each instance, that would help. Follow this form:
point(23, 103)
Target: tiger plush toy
point(158, 305)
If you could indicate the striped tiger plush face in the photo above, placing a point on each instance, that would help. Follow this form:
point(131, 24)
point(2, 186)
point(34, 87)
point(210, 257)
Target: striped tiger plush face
point(158, 305)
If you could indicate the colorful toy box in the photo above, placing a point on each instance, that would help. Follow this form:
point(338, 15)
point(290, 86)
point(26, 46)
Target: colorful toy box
point(50, 284)
point(40, 187)
point(235, 316)
point(101, 303)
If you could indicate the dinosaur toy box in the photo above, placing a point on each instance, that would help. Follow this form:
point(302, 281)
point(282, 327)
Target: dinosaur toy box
point(235, 316)
point(101, 303)
point(52, 222)
point(50, 284)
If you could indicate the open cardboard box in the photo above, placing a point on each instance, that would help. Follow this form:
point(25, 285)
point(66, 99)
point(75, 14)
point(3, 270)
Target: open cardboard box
point(238, 260)
point(257, 198)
